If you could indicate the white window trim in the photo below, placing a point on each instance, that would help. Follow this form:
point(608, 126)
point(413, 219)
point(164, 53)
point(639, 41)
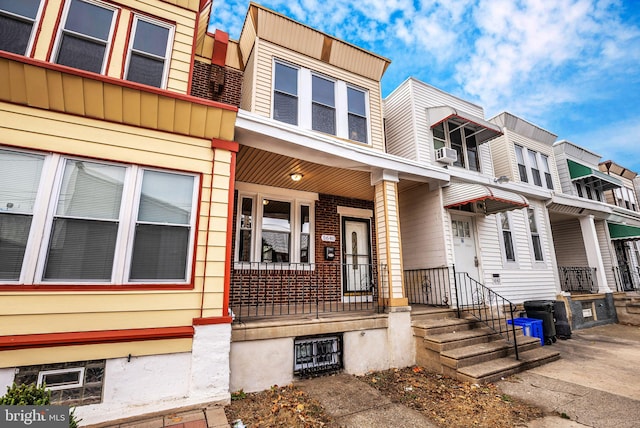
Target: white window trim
point(80, 383)
point(540, 166)
point(168, 49)
point(505, 262)
point(534, 262)
point(63, 22)
point(297, 199)
point(34, 28)
point(44, 212)
point(305, 100)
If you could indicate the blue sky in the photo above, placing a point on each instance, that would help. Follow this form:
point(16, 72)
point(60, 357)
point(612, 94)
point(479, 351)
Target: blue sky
point(571, 67)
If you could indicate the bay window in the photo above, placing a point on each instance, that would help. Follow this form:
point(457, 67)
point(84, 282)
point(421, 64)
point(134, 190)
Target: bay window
point(273, 226)
point(533, 165)
point(73, 220)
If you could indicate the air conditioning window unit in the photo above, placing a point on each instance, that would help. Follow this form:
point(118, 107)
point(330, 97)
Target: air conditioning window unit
point(446, 155)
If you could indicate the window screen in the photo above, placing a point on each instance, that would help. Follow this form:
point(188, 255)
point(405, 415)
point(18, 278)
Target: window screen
point(17, 19)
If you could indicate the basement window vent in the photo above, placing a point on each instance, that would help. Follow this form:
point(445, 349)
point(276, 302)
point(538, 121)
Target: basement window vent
point(62, 378)
point(317, 355)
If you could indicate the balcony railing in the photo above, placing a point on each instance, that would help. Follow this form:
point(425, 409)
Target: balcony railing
point(265, 290)
point(430, 286)
point(627, 278)
point(578, 279)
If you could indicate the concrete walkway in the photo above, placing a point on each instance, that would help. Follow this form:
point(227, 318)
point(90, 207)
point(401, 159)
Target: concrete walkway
point(596, 383)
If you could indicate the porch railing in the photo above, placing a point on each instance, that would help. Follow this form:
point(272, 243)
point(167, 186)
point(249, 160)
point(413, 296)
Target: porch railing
point(578, 279)
point(261, 290)
point(486, 306)
point(627, 278)
point(430, 286)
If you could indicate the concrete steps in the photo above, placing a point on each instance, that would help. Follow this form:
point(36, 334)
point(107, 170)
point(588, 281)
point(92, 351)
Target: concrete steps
point(468, 350)
point(627, 307)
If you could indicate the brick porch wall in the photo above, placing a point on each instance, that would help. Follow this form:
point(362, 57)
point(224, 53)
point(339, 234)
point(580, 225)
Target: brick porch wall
point(253, 287)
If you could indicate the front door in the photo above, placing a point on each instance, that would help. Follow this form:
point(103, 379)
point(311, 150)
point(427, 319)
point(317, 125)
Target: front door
point(464, 246)
point(356, 255)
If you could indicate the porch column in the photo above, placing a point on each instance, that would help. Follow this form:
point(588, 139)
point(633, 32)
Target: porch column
point(388, 238)
point(594, 256)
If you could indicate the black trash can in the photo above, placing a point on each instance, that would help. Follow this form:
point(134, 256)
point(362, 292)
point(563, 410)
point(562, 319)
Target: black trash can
point(543, 310)
point(563, 329)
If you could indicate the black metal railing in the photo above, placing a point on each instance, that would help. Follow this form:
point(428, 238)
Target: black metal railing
point(627, 278)
point(430, 286)
point(578, 279)
point(261, 290)
point(487, 306)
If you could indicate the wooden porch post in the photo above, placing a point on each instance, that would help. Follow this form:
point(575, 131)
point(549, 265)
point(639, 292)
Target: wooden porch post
point(388, 234)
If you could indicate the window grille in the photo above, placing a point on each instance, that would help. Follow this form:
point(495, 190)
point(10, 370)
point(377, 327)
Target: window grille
point(317, 355)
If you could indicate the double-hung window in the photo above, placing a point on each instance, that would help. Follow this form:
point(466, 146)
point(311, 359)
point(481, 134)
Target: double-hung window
point(460, 138)
point(323, 105)
point(533, 165)
point(149, 51)
point(71, 220)
point(285, 94)
point(535, 170)
point(304, 98)
point(522, 167)
point(85, 35)
point(507, 237)
point(357, 107)
point(535, 235)
point(274, 227)
point(18, 19)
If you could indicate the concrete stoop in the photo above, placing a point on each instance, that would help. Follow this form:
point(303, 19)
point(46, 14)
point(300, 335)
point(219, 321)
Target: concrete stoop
point(467, 350)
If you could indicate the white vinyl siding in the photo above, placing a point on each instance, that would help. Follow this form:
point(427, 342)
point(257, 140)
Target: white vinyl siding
point(569, 245)
point(262, 100)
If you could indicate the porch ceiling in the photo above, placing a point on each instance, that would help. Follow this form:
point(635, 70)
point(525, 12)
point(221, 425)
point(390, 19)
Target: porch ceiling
point(273, 169)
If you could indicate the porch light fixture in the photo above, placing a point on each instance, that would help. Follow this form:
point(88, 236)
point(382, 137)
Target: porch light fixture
point(501, 180)
point(296, 176)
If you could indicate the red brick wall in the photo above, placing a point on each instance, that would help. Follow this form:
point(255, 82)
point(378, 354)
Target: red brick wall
point(258, 287)
point(203, 86)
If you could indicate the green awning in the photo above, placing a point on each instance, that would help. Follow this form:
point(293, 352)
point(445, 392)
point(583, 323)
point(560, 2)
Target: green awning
point(599, 179)
point(623, 231)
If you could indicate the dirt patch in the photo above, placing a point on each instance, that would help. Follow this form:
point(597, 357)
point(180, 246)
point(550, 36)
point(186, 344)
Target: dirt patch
point(447, 402)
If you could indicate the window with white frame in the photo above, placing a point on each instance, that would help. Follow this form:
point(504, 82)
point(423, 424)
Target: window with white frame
point(103, 222)
point(461, 139)
point(522, 167)
point(18, 21)
point(85, 35)
point(534, 165)
point(507, 237)
point(149, 51)
point(307, 99)
point(323, 105)
point(546, 170)
point(535, 235)
point(625, 198)
point(285, 94)
point(274, 226)
point(588, 191)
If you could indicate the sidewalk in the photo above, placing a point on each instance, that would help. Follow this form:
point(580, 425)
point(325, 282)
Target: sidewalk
point(595, 383)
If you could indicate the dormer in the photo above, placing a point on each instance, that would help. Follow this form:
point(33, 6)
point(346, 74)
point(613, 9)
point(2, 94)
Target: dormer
point(524, 153)
point(146, 42)
point(304, 78)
